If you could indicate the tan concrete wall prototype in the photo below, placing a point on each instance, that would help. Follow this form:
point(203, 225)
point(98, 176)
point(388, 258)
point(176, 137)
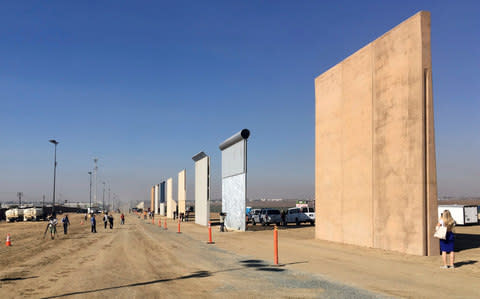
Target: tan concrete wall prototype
point(182, 192)
point(152, 194)
point(171, 204)
point(375, 174)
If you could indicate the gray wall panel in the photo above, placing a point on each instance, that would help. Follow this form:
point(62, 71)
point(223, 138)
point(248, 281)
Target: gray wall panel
point(234, 159)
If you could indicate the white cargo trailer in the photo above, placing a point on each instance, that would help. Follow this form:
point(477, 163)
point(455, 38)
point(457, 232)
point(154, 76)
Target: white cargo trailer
point(462, 214)
point(15, 214)
point(32, 214)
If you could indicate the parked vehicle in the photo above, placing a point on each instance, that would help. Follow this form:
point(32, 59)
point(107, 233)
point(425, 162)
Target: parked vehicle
point(301, 215)
point(268, 216)
point(15, 214)
point(254, 216)
point(33, 214)
point(462, 214)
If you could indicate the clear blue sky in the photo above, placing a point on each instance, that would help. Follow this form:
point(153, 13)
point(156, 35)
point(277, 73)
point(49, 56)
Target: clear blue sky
point(144, 86)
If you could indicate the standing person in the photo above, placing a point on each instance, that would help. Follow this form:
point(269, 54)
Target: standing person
point(222, 222)
point(110, 220)
point(51, 226)
point(93, 223)
point(65, 223)
point(447, 245)
point(284, 218)
point(122, 219)
point(105, 220)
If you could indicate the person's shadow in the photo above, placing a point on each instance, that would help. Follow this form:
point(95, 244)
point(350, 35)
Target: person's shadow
point(463, 263)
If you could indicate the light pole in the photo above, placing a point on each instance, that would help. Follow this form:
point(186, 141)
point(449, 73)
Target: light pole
point(19, 194)
point(103, 199)
point(90, 173)
point(109, 196)
point(54, 173)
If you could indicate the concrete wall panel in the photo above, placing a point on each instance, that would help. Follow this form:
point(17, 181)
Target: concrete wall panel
point(171, 204)
point(162, 199)
point(375, 168)
point(156, 199)
point(182, 192)
point(202, 191)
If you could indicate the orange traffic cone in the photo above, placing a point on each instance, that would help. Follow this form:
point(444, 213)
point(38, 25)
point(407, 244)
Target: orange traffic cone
point(165, 224)
point(159, 223)
point(8, 242)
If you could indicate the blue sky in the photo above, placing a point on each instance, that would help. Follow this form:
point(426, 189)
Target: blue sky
point(144, 85)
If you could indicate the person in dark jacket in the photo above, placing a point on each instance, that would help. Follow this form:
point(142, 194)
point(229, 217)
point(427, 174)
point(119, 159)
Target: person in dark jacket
point(94, 223)
point(110, 220)
point(65, 223)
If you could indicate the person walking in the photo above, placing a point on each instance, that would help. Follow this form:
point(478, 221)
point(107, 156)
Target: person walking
point(51, 226)
point(110, 220)
point(447, 245)
point(93, 223)
point(65, 223)
point(122, 219)
point(105, 220)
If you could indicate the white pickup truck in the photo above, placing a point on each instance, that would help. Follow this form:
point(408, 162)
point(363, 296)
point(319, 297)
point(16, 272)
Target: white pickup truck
point(301, 215)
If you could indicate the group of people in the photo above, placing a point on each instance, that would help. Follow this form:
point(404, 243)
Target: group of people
point(52, 225)
point(107, 219)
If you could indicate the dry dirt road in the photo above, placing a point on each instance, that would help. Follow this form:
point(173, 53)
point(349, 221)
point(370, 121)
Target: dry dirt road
point(141, 260)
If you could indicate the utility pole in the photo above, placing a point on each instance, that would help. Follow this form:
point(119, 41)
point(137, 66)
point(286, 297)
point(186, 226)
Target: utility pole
point(95, 169)
point(109, 196)
point(43, 204)
point(90, 173)
point(103, 199)
point(54, 173)
point(19, 194)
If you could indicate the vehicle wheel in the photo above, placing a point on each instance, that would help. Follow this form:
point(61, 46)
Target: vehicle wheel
point(253, 222)
point(312, 222)
point(263, 223)
point(297, 222)
point(268, 223)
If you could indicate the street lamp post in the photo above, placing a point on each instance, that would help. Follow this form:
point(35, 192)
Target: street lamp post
point(103, 199)
point(54, 173)
point(90, 173)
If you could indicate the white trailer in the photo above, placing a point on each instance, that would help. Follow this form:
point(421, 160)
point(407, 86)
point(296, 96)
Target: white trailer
point(32, 214)
point(462, 214)
point(14, 214)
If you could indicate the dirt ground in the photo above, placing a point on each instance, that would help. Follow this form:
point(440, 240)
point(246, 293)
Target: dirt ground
point(142, 260)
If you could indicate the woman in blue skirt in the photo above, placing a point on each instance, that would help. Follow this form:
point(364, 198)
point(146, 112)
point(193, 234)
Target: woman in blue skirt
point(446, 246)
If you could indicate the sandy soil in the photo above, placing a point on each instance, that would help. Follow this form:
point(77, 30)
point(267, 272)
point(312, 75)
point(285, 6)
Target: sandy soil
point(142, 260)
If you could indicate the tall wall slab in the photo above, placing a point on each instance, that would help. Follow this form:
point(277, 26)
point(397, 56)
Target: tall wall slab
point(171, 204)
point(375, 173)
point(152, 193)
point(162, 199)
point(202, 188)
point(156, 199)
point(182, 192)
point(234, 179)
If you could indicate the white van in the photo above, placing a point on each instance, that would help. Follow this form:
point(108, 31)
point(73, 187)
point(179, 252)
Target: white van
point(301, 215)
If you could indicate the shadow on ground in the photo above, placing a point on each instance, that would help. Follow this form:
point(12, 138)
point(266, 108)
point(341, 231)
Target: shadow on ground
point(466, 241)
